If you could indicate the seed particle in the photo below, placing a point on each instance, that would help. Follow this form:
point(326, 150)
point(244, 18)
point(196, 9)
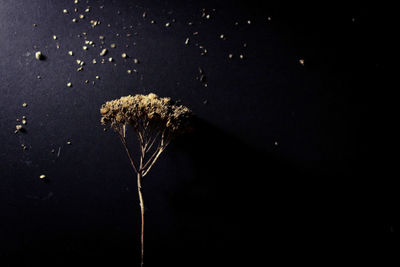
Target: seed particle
point(124, 55)
point(84, 47)
point(136, 61)
point(68, 142)
point(69, 84)
point(74, 20)
point(38, 55)
point(187, 41)
point(54, 37)
point(301, 61)
point(113, 45)
point(42, 176)
point(230, 56)
point(81, 16)
point(70, 53)
point(94, 61)
point(65, 11)
point(110, 59)
point(167, 24)
point(103, 52)
point(24, 105)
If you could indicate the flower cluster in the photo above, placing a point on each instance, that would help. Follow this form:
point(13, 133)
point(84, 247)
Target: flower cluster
point(142, 111)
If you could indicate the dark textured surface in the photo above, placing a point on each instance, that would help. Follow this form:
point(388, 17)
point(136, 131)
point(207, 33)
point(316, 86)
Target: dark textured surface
point(218, 192)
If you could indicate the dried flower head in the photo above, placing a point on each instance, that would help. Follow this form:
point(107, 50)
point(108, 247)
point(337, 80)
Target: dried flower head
point(144, 111)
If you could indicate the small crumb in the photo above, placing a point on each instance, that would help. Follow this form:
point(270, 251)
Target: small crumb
point(94, 61)
point(187, 41)
point(222, 36)
point(58, 46)
point(110, 59)
point(42, 176)
point(129, 71)
point(18, 127)
point(79, 69)
point(70, 53)
point(38, 77)
point(68, 142)
point(269, 18)
point(84, 47)
point(54, 37)
point(276, 143)
point(86, 81)
point(65, 11)
point(74, 20)
point(76, 1)
point(103, 52)
point(153, 22)
point(81, 16)
point(241, 56)
point(39, 55)
point(249, 22)
point(101, 37)
point(124, 55)
point(53, 150)
point(34, 25)
point(87, 10)
point(301, 61)
point(24, 105)
point(230, 56)
point(69, 84)
point(144, 15)
point(98, 77)
point(113, 45)
point(208, 17)
point(23, 122)
point(167, 24)
point(136, 61)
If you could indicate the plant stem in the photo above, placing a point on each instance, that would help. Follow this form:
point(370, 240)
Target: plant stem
point(139, 185)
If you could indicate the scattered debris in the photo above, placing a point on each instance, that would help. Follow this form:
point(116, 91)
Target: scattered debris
point(39, 55)
point(103, 52)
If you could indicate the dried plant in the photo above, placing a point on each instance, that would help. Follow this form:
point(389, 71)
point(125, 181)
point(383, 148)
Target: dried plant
point(156, 121)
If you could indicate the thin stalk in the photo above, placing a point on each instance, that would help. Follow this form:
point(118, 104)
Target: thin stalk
point(139, 184)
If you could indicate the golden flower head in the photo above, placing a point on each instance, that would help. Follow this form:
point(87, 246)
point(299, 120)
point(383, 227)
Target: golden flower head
point(146, 111)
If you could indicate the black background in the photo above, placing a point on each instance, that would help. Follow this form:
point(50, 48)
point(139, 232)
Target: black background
point(225, 193)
